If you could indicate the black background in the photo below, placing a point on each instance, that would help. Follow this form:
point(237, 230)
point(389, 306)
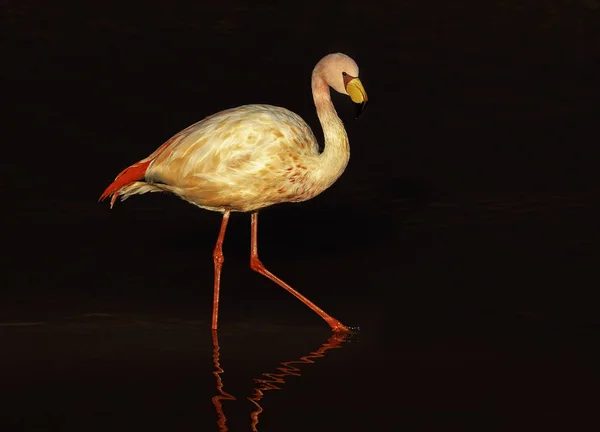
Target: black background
point(462, 239)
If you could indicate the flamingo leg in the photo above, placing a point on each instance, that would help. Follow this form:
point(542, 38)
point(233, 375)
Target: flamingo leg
point(219, 259)
point(258, 267)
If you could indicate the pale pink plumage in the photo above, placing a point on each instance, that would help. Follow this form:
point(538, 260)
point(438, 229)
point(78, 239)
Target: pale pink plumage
point(241, 159)
point(250, 157)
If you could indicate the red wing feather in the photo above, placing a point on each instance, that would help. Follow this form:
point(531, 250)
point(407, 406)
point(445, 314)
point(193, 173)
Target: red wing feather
point(135, 172)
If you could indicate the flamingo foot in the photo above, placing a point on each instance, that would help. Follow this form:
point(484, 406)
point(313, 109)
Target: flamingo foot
point(337, 326)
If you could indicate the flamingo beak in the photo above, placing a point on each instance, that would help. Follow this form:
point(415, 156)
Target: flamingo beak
point(357, 93)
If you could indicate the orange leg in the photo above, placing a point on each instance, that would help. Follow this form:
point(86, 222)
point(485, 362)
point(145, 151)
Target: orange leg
point(258, 266)
point(218, 258)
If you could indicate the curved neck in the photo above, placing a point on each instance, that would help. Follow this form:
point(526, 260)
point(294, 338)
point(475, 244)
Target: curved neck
point(336, 153)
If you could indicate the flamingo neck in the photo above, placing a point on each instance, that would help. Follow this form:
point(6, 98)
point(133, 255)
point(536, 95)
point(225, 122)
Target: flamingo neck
point(336, 153)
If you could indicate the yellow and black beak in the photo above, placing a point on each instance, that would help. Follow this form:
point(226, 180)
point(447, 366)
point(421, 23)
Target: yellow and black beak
point(357, 93)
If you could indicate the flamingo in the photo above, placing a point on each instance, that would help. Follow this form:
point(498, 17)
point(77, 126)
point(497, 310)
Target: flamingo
point(247, 158)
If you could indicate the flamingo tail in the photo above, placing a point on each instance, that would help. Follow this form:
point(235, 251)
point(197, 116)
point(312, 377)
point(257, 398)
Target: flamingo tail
point(128, 176)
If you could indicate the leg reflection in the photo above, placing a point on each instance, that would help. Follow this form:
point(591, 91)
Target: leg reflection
point(270, 381)
point(221, 419)
point(273, 381)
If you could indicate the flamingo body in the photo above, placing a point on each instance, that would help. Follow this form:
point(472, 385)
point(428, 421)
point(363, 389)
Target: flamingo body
point(241, 159)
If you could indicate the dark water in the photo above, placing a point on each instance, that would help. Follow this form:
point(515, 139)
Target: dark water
point(461, 243)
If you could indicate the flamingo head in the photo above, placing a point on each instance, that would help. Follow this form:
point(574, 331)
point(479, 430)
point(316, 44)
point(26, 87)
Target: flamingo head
point(341, 72)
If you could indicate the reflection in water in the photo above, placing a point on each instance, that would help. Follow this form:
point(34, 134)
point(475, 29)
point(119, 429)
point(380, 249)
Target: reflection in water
point(276, 379)
point(222, 420)
point(273, 381)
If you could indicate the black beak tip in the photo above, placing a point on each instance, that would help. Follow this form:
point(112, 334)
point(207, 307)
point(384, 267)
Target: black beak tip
point(360, 107)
